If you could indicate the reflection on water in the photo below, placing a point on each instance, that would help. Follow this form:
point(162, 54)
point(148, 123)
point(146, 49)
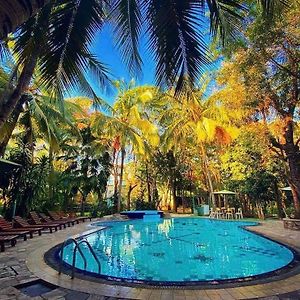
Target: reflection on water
point(185, 249)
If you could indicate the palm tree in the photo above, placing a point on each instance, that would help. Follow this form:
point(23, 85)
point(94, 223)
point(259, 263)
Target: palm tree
point(13, 13)
point(60, 33)
point(56, 44)
point(191, 121)
point(127, 128)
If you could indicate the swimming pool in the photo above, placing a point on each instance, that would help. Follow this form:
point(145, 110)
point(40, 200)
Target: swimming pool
point(180, 250)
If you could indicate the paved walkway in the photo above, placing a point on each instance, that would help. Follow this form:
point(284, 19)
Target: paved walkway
point(25, 263)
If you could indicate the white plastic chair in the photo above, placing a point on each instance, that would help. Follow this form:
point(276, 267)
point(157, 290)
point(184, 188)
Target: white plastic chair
point(229, 213)
point(219, 213)
point(212, 214)
point(239, 214)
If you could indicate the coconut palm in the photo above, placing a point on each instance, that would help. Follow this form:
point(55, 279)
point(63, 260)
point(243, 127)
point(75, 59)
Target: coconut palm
point(59, 36)
point(126, 128)
point(191, 121)
point(56, 44)
point(13, 13)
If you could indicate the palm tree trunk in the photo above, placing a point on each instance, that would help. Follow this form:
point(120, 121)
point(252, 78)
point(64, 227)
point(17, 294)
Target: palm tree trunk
point(121, 180)
point(7, 107)
point(14, 13)
point(13, 120)
point(131, 188)
point(148, 183)
point(208, 175)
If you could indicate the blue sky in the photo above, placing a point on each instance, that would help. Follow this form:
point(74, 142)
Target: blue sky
point(108, 54)
point(106, 51)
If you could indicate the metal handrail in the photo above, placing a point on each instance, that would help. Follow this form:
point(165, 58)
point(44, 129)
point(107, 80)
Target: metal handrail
point(77, 244)
point(93, 253)
point(62, 253)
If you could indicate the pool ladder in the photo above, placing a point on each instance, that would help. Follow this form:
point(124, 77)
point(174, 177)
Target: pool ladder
point(77, 247)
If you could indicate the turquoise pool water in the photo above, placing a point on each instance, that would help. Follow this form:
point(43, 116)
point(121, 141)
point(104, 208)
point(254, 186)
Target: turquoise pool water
point(181, 250)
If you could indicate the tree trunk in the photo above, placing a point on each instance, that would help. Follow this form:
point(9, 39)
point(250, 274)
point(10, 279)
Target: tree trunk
point(148, 184)
point(7, 107)
point(293, 159)
point(121, 180)
point(278, 201)
point(14, 13)
point(13, 120)
point(208, 175)
point(131, 188)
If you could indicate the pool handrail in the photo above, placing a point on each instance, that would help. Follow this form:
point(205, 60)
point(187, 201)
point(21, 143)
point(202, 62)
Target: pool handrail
point(93, 253)
point(69, 240)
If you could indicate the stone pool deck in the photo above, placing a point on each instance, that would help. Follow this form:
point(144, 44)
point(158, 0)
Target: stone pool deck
point(25, 263)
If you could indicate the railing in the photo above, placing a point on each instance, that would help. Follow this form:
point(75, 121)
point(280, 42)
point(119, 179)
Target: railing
point(77, 247)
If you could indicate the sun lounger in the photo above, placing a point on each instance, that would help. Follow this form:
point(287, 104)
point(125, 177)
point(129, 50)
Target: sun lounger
point(21, 234)
point(47, 219)
point(73, 216)
point(3, 239)
point(7, 227)
point(24, 224)
point(37, 221)
point(56, 217)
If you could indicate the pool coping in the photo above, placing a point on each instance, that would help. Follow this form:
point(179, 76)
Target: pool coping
point(51, 257)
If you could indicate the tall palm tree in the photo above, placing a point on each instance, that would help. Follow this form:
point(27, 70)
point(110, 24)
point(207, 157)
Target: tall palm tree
point(56, 44)
point(193, 121)
point(127, 128)
point(13, 13)
point(60, 33)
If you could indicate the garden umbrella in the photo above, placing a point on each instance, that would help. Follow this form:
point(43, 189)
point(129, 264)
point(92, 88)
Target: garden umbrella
point(224, 192)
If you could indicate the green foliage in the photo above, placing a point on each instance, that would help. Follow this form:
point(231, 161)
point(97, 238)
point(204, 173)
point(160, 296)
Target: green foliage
point(140, 204)
point(28, 187)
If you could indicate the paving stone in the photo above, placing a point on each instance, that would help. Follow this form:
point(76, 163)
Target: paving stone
point(74, 295)
point(57, 293)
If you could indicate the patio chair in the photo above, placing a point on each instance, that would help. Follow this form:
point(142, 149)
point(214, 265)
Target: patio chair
point(229, 214)
point(24, 224)
point(212, 213)
point(56, 217)
point(3, 239)
point(37, 221)
point(219, 213)
point(48, 220)
point(7, 227)
point(239, 214)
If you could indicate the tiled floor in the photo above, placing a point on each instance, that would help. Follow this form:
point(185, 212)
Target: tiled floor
point(26, 263)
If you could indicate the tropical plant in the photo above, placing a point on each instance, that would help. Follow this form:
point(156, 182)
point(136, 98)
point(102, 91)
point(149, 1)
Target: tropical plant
point(58, 37)
point(269, 68)
point(56, 44)
point(192, 121)
point(126, 128)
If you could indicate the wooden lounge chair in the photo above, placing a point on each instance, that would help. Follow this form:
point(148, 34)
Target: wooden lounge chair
point(74, 217)
point(24, 224)
point(3, 239)
point(48, 220)
point(20, 234)
point(37, 221)
point(54, 216)
point(7, 227)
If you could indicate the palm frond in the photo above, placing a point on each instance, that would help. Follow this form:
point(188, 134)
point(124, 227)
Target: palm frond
point(127, 19)
point(225, 17)
point(174, 34)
